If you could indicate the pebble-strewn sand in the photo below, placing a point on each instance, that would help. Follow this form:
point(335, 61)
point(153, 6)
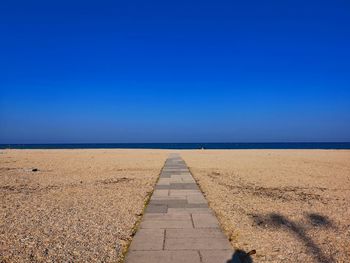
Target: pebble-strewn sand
point(80, 206)
point(289, 205)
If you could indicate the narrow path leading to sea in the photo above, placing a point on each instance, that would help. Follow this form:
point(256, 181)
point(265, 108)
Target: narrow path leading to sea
point(178, 225)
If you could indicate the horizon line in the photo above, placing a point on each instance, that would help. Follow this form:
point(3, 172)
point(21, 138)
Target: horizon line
point(77, 143)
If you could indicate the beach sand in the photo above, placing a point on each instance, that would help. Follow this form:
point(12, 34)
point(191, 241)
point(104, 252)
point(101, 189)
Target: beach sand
point(288, 205)
point(81, 206)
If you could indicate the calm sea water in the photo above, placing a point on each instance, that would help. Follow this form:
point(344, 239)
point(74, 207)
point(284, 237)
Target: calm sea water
point(344, 145)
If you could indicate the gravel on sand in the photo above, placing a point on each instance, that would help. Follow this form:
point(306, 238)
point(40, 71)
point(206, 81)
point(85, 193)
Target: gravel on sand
point(73, 205)
point(289, 205)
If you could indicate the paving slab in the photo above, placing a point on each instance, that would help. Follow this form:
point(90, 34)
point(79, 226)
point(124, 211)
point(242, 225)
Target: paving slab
point(217, 256)
point(148, 239)
point(153, 198)
point(163, 181)
point(163, 256)
point(210, 243)
point(162, 186)
point(166, 217)
point(195, 233)
point(184, 185)
point(183, 192)
point(157, 209)
point(189, 211)
point(196, 199)
point(169, 202)
point(161, 193)
point(205, 221)
point(166, 224)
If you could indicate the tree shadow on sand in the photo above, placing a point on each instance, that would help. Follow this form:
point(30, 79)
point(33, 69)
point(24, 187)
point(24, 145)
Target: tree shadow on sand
point(275, 220)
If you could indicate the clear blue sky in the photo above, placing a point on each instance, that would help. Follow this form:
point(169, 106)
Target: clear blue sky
point(174, 71)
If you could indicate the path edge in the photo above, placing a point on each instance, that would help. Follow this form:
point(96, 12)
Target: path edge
point(139, 219)
point(229, 238)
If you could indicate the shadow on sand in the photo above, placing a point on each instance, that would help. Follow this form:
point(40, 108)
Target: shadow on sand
point(241, 256)
point(275, 220)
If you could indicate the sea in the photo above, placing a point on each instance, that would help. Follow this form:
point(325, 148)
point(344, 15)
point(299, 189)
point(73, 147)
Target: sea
point(184, 146)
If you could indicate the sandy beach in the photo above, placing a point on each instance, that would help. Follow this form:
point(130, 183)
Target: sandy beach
point(289, 205)
point(80, 206)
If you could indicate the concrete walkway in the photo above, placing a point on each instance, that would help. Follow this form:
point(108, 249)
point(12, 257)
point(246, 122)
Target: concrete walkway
point(178, 225)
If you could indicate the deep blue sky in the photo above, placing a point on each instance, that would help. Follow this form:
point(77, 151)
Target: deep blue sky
point(174, 71)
